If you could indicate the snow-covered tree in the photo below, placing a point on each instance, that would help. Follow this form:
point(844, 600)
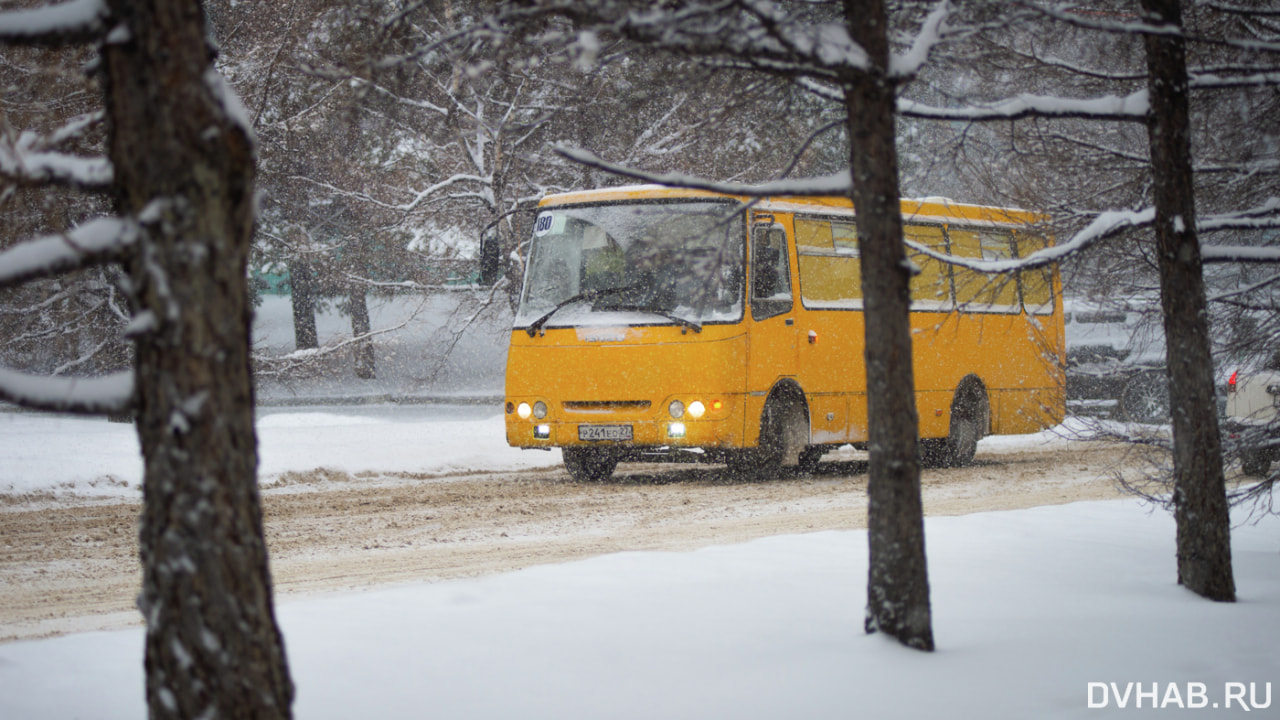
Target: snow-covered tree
point(395, 139)
point(1200, 500)
point(180, 156)
point(1132, 72)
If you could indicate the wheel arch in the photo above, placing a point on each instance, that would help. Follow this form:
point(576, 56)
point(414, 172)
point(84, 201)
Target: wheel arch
point(787, 389)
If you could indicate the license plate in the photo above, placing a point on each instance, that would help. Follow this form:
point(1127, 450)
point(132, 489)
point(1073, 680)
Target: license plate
point(604, 432)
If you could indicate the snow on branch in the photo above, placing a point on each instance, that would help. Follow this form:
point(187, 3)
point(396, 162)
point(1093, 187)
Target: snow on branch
point(99, 395)
point(1095, 21)
point(1205, 80)
point(1243, 9)
point(1266, 215)
point(1105, 225)
point(1239, 254)
point(94, 243)
point(1098, 21)
point(762, 34)
point(931, 34)
point(1131, 107)
point(57, 24)
point(30, 159)
point(835, 184)
point(822, 90)
point(420, 197)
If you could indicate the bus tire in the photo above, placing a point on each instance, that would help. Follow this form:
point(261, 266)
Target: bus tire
point(589, 464)
point(784, 431)
point(970, 419)
point(759, 463)
point(962, 441)
point(810, 457)
point(933, 452)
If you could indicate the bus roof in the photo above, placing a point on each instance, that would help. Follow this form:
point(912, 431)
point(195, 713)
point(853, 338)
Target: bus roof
point(928, 208)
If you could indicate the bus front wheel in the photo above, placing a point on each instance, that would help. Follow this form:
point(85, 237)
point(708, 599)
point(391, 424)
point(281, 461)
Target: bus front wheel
point(589, 464)
point(784, 433)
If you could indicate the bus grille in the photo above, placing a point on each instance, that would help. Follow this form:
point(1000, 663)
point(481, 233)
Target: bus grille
point(590, 406)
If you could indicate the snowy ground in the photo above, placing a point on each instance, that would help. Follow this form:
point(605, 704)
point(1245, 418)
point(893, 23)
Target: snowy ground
point(60, 456)
point(1030, 608)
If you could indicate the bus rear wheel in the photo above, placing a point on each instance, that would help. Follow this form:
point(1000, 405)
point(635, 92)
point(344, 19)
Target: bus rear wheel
point(970, 418)
point(589, 464)
point(962, 442)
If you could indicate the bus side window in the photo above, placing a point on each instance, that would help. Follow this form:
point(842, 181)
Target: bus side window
point(931, 287)
point(830, 265)
point(770, 272)
point(1037, 285)
point(981, 292)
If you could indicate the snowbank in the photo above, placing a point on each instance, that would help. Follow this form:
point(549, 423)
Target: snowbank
point(1037, 613)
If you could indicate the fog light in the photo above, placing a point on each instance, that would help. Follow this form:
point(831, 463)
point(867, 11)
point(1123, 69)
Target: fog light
point(524, 411)
point(539, 409)
point(542, 432)
point(675, 430)
point(696, 409)
point(676, 408)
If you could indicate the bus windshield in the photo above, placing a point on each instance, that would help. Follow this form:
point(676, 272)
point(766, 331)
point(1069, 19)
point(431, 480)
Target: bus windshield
point(635, 264)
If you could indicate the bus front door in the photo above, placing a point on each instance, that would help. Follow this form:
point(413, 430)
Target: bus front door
point(771, 344)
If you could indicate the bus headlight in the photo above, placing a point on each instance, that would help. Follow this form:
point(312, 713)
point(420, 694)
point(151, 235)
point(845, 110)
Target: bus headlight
point(542, 432)
point(539, 409)
point(676, 409)
point(696, 409)
point(524, 411)
point(675, 430)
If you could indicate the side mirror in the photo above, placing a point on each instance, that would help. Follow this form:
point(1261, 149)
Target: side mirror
point(490, 259)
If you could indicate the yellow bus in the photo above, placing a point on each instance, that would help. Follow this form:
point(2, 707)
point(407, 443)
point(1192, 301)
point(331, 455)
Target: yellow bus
point(680, 324)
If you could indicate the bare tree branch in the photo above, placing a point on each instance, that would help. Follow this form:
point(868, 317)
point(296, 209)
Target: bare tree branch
point(835, 184)
point(1105, 225)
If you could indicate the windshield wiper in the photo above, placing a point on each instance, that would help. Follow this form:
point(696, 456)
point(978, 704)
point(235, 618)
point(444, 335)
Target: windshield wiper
point(683, 322)
point(583, 296)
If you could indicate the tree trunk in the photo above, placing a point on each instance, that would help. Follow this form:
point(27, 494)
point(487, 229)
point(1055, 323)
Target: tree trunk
point(1199, 495)
point(184, 164)
point(898, 585)
point(363, 352)
point(303, 299)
